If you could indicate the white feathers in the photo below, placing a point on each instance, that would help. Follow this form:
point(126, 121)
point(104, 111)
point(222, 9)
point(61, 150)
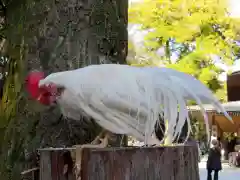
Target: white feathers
point(128, 100)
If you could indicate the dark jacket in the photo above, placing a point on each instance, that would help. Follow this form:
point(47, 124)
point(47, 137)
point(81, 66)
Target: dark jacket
point(214, 159)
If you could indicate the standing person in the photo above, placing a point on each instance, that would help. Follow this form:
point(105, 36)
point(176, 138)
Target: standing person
point(214, 160)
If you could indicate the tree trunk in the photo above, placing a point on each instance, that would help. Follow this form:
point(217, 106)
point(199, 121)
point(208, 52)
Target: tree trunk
point(158, 163)
point(74, 34)
point(71, 34)
point(58, 35)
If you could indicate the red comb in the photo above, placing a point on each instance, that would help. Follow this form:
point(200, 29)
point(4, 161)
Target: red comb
point(32, 81)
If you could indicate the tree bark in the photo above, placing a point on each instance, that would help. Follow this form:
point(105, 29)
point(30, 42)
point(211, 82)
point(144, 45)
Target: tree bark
point(74, 34)
point(70, 34)
point(58, 35)
point(158, 163)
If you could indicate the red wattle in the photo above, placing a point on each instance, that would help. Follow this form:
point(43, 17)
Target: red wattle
point(45, 100)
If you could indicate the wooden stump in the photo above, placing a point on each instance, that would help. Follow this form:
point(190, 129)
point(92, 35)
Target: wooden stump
point(131, 163)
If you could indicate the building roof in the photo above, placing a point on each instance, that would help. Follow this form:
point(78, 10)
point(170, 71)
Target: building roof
point(233, 106)
point(233, 109)
point(235, 72)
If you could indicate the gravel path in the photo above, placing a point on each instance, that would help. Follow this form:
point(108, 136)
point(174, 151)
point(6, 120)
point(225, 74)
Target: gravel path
point(228, 173)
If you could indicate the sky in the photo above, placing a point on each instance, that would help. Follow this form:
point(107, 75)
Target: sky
point(234, 5)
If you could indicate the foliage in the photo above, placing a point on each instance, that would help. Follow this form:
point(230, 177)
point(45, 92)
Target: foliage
point(8, 111)
point(138, 56)
point(196, 31)
point(12, 133)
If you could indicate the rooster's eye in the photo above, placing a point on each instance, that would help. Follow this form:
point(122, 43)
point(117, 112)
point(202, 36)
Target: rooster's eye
point(60, 90)
point(46, 94)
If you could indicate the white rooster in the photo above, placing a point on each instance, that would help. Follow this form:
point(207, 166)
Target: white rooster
point(124, 99)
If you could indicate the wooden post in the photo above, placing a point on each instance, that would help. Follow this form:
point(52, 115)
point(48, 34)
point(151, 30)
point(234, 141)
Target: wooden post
point(56, 164)
point(131, 163)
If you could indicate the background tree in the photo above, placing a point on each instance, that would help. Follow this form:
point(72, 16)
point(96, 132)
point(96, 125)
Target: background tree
point(191, 36)
point(197, 33)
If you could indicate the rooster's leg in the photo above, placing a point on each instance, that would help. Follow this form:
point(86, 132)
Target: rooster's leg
point(98, 138)
point(79, 149)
